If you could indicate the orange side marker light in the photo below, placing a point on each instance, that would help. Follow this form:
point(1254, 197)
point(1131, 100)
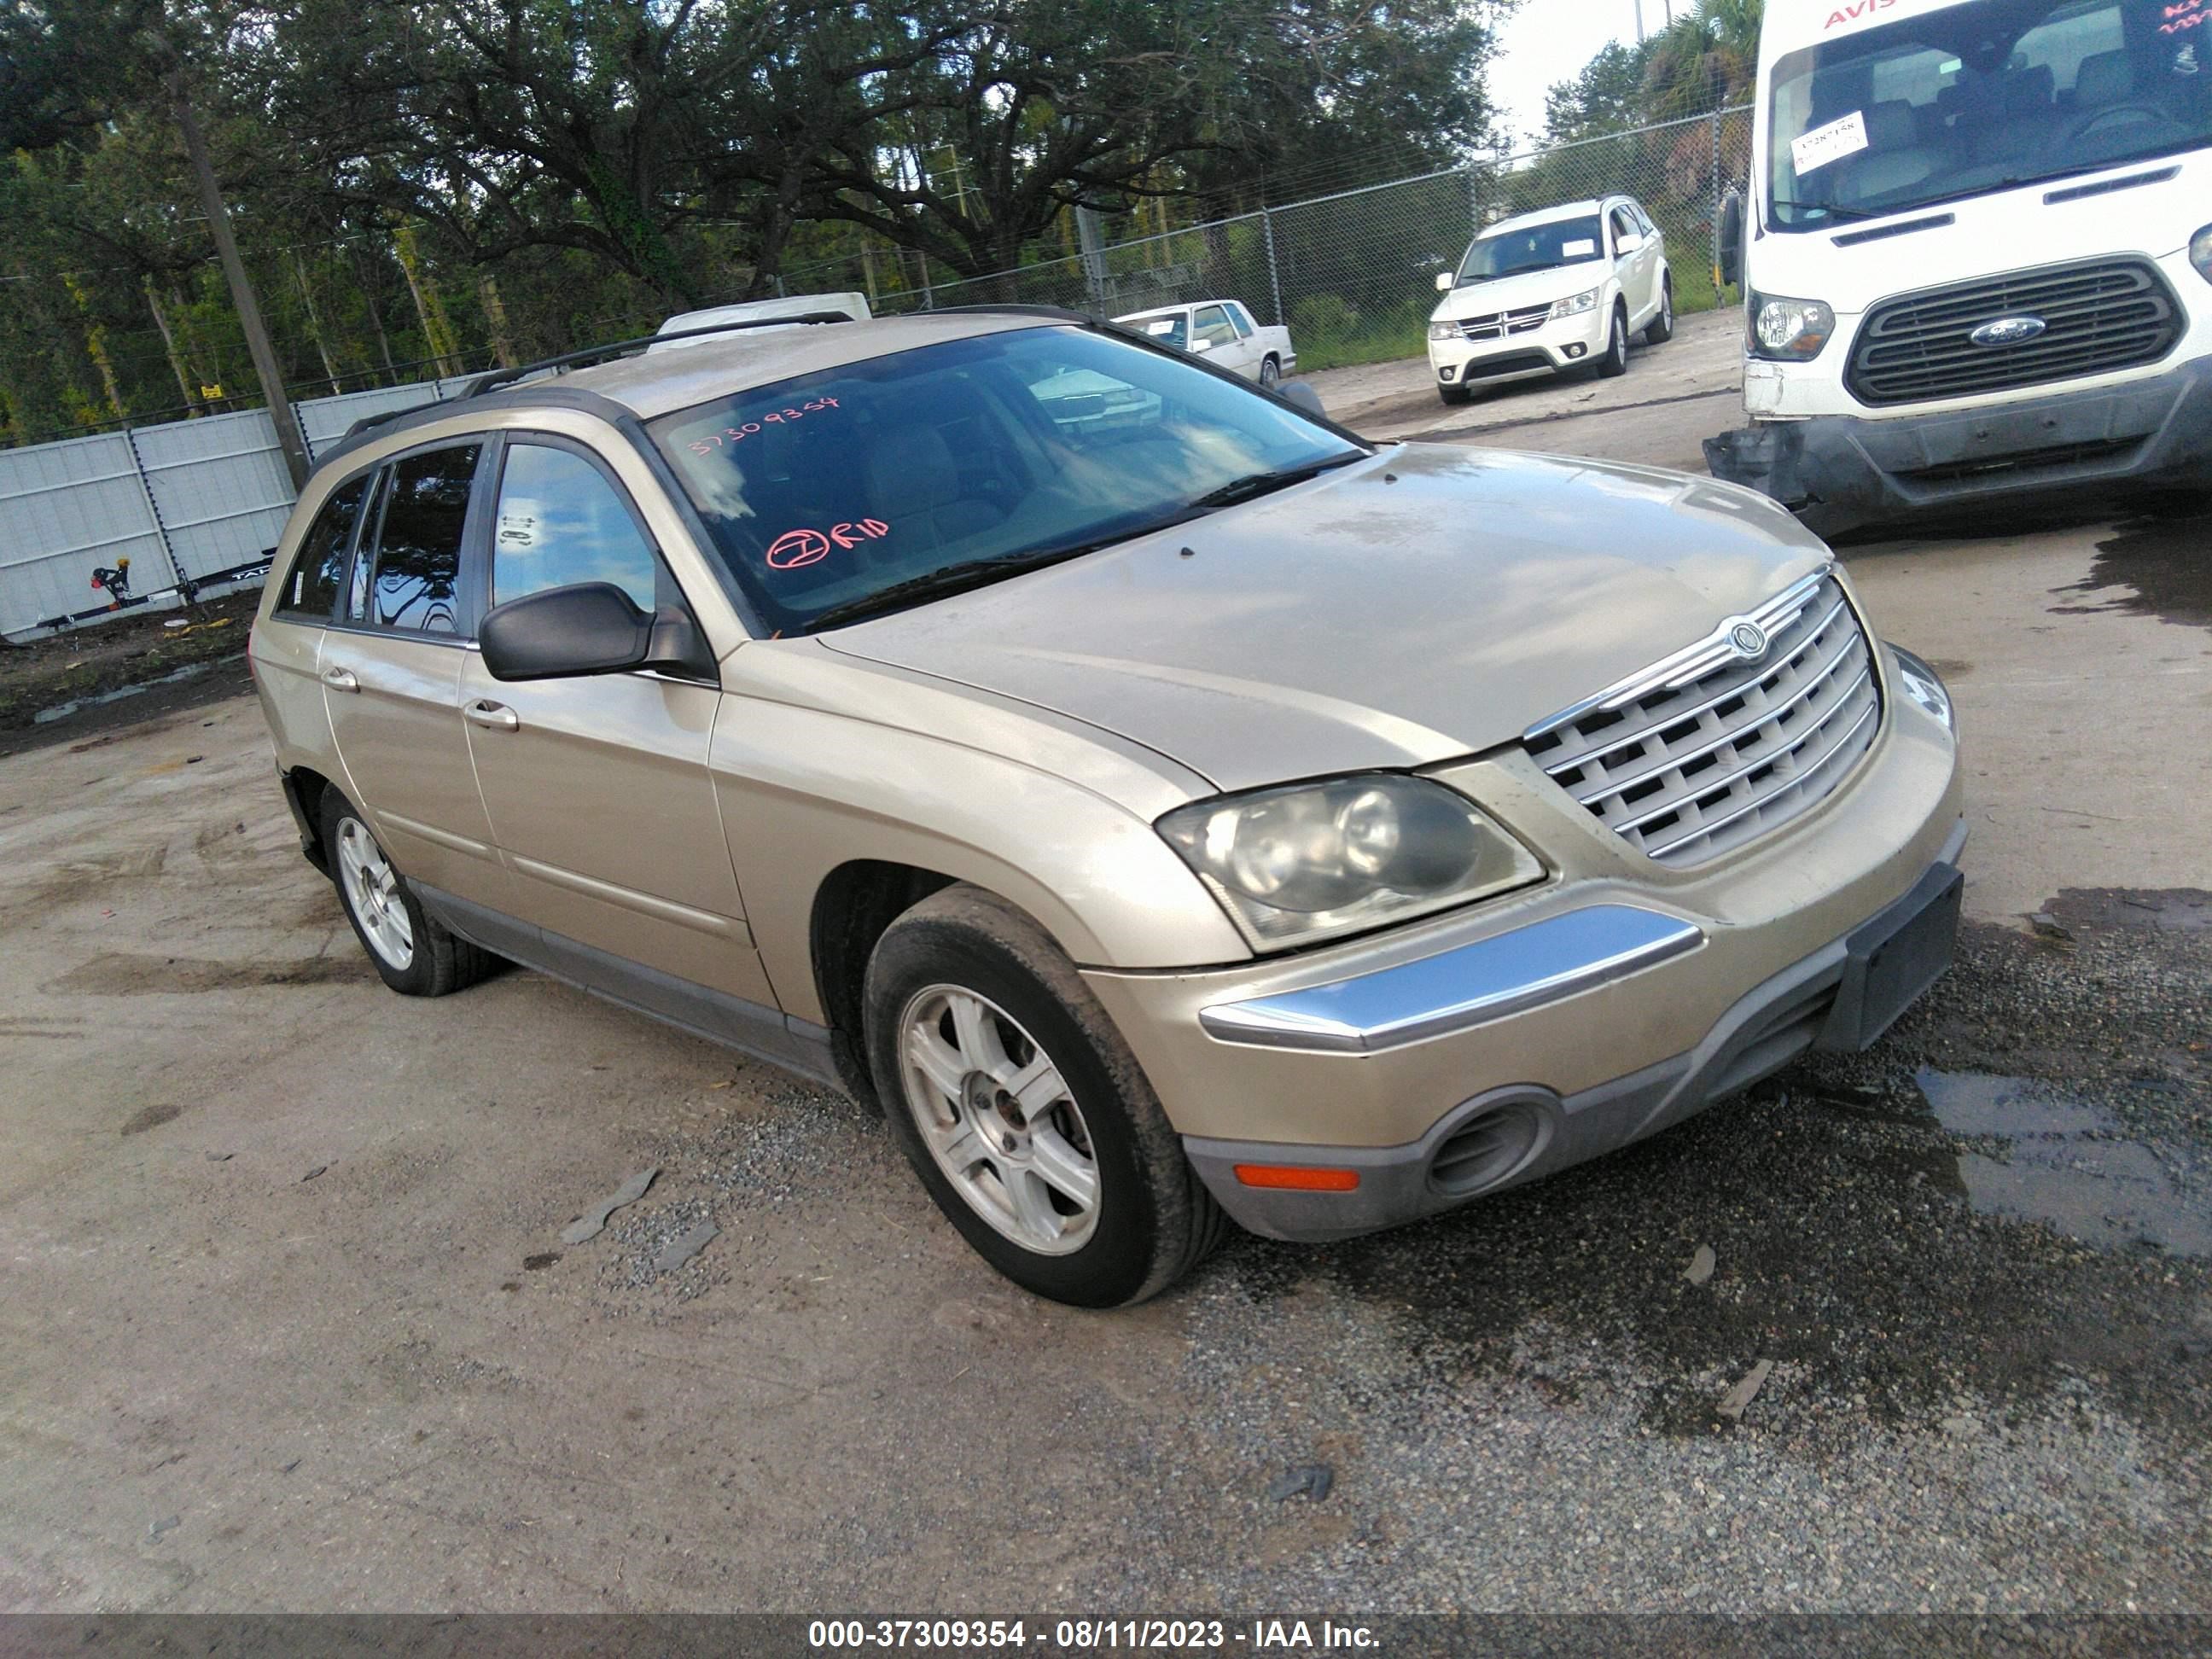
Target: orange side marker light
point(1298, 1177)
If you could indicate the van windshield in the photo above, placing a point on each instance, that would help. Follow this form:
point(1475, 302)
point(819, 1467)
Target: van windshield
point(1508, 251)
point(1983, 96)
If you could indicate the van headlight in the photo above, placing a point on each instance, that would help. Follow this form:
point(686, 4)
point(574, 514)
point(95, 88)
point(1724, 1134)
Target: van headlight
point(1574, 304)
point(2200, 253)
point(1919, 682)
point(1296, 864)
point(1440, 328)
point(1789, 331)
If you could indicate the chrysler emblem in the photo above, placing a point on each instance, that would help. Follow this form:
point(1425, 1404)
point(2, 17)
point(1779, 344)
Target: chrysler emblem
point(2008, 330)
point(1748, 638)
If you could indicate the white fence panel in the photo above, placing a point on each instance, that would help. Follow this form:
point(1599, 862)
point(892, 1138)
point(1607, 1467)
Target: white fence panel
point(220, 486)
point(65, 509)
point(324, 421)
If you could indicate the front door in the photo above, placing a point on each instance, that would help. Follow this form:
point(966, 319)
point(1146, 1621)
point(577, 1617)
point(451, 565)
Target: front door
point(598, 788)
point(391, 670)
point(1228, 349)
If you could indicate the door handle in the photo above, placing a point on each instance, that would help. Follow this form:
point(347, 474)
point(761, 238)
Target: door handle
point(340, 679)
point(496, 715)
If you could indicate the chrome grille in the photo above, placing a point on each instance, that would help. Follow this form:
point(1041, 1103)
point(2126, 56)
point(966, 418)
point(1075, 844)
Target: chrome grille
point(1705, 750)
point(1499, 324)
point(2097, 317)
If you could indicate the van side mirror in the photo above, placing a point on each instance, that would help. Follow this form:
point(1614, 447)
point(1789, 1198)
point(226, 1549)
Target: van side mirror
point(1628, 243)
point(1443, 282)
point(1730, 253)
point(588, 628)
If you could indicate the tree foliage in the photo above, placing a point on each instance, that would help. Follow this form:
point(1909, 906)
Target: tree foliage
point(423, 182)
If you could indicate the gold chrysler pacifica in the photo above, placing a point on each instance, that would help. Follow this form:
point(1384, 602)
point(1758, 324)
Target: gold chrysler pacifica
point(1169, 806)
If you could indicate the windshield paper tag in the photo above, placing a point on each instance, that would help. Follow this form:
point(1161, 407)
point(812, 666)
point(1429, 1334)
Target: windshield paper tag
point(1165, 325)
point(1581, 248)
point(1832, 142)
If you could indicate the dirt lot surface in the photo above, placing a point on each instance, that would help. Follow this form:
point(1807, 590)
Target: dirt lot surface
point(288, 1323)
point(56, 687)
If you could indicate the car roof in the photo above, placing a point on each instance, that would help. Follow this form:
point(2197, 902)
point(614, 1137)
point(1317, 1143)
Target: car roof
point(648, 384)
point(1583, 209)
point(1169, 311)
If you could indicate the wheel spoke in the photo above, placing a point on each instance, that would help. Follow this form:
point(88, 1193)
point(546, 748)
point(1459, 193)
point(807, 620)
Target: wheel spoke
point(1061, 1166)
point(962, 1147)
point(935, 1058)
point(979, 1037)
point(1033, 1210)
point(1036, 1086)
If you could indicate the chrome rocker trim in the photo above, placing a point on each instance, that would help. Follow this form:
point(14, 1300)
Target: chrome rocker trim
point(1505, 974)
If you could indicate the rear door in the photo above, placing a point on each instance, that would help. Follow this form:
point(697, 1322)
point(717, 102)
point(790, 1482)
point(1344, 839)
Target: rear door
point(1225, 347)
point(287, 650)
point(392, 673)
point(598, 789)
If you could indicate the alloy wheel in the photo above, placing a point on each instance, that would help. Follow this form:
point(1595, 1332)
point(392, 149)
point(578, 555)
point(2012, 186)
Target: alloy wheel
point(998, 1119)
point(372, 889)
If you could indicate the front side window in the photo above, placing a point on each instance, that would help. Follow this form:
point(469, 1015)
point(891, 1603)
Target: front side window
point(966, 460)
point(1982, 96)
point(1212, 326)
point(1623, 225)
point(312, 588)
point(559, 522)
point(407, 577)
point(1531, 247)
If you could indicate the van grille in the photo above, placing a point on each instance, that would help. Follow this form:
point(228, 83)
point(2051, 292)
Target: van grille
point(2097, 317)
point(1499, 324)
point(1706, 750)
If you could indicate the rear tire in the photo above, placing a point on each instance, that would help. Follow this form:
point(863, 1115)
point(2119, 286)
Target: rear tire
point(1661, 329)
point(412, 951)
point(1024, 1114)
point(1271, 371)
point(1614, 364)
point(1455, 395)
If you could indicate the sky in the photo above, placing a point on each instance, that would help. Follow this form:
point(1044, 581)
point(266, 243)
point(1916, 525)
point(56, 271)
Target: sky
point(1550, 41)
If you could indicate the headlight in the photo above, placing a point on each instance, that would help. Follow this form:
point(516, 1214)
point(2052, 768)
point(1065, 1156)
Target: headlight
point(1442, 330)
point(1575, 305)
point(2200, 253)
point(1791, 330)
point(1919, 682)
point(1316, 859)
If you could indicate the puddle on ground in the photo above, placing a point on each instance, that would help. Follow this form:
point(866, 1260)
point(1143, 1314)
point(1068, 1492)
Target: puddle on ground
point(2069, 1164)
point(2160, 556)
point(62, 711)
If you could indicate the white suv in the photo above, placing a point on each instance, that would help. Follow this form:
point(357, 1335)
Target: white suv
point(1549, 291)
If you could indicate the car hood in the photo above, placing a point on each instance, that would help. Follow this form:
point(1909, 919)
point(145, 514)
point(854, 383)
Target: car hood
point(1423, 605)
point(1533, 288)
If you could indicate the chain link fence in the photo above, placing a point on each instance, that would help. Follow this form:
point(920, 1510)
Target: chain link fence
point(1352, 274)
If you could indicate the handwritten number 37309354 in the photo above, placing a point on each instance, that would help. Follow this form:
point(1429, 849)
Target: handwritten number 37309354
point(733, 435)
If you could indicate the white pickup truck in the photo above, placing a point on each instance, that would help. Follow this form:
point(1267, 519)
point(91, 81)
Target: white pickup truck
point(1222, 331)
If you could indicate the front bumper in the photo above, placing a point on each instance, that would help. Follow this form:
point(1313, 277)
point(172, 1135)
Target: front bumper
point(1839, 471)
point(1557, 1023)
point(1559, 343)
point(1841, 997)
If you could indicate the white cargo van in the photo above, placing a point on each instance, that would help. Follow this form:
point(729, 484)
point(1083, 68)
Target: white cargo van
point(854, 307)
point(1977, 253)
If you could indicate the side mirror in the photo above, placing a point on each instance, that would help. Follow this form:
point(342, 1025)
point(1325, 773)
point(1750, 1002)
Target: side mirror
point(1730, 253)
point(1631, 243)
point(1300, 394)
point(1443, 282)
point(1201, 345)
point(588, 628)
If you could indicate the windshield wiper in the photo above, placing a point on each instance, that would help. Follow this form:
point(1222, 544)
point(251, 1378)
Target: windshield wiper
point(970, 572)
point(1266, 483)
point(1840, 212)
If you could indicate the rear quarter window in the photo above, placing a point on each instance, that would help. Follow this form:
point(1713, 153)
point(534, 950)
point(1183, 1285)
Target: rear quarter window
point(318, 575)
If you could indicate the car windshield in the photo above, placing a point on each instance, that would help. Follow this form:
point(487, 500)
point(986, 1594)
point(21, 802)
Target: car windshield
point(1168, 330)
point(968, 461)
point(1508, 252)
point(1983, 96)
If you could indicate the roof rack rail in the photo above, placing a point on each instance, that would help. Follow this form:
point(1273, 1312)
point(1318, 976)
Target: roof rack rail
point(499, 377)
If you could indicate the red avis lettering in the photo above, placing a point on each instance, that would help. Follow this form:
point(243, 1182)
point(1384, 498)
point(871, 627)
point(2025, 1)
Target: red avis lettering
point(794, 550)
point(1856, 10)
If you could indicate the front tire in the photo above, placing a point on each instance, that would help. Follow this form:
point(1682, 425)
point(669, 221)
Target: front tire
point(413, 952)
point(1661, 329)
point(1023, 1111)
point(1614, 364)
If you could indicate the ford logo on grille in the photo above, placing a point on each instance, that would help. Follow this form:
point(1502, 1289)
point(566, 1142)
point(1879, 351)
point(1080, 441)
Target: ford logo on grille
point(1748, 638)
point(2008, 330)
